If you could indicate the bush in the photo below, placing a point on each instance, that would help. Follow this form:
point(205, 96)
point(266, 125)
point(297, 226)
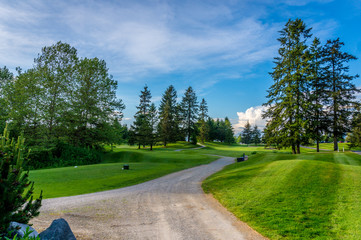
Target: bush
point(16, 200)
point(63, 155)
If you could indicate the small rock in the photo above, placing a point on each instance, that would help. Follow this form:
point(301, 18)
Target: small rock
point(21, 229)
point(58, 230)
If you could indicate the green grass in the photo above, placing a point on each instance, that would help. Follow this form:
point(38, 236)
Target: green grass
point(284, 196)
point(144, 165)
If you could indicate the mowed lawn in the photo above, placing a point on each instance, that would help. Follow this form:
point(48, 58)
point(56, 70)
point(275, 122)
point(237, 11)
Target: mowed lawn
point(144, 166)
point(284, 196)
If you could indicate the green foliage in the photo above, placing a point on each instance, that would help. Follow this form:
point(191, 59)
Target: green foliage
point(341, 90)
point(169, 117)
point(25, 237)
point(189, 112)
point(62, 155)
point(287, 102)
point(312, 92)
point(16, 191)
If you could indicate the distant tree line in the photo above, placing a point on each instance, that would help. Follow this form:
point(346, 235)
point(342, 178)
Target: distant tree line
point(312, 94)
point(172, 121)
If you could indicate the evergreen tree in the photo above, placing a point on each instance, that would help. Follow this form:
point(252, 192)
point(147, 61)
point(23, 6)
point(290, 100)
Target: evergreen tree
point(16, 200)
point(190, 111)
point(354, 137)
point(229, 134)
point(317, 94)
point(142, 124)
point(340, 87)
point(168, 128)
point(287, 102)
point(247, 133)
point(152, 119)
point(212, 130)
point(203, 126)
point(256, 135)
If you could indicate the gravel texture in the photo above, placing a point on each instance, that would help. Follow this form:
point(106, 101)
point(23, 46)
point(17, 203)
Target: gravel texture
point(170, 207)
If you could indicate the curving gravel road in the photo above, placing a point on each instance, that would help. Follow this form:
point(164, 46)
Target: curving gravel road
point(170, 207)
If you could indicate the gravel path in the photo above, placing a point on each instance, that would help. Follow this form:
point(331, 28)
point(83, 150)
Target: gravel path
point(170, 207)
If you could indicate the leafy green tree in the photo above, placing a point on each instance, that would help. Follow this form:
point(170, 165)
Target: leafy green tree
point(6, 78)
point(202, 121)
point(55, 67)
point(93, 103)
point(190, 111)
point(16, 200)
point(247, 133)
point(287, 103)
point(168, 126)
point(340, 87)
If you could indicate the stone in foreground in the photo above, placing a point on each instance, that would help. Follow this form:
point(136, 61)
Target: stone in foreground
point(58, 230)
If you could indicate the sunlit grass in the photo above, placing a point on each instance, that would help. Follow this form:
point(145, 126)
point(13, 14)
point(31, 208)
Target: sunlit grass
point(284, 196)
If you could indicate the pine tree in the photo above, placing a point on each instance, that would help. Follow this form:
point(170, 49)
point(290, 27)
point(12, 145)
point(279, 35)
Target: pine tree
point(229, 134)
point(287, 102)
point(16, 200)
point(190, 111)
point(256, 135)
point(317, 117)
point(152, 120)
point(141, 125)
point(340, 87)
point(247, 133)
point(168, 128)
point(203, 115)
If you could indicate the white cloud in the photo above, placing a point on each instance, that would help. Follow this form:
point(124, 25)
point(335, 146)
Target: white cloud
point(137, 38)
point(253, 115)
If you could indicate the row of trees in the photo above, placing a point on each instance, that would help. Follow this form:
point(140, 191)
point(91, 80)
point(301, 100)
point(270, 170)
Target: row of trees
point(172, 121)
point(312, 93)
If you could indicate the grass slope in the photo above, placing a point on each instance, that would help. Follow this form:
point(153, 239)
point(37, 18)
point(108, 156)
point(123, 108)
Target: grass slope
point(283, 196)
point(144, 165)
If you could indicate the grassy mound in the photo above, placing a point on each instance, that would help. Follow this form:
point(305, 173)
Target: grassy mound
point(284, 196)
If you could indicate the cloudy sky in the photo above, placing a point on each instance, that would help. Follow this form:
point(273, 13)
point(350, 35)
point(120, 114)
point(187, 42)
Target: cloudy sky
point(223, 49)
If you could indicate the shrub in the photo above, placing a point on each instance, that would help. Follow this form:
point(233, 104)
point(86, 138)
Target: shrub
point(16, 200)
point(63, 155)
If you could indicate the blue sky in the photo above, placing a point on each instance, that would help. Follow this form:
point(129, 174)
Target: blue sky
point(223, 49)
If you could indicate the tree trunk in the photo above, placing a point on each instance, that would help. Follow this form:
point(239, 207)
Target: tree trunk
point(293, 149)
point(318, 146)
point(138, 145)
point(298, 148)
point(151, 147)
point(335, 144)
